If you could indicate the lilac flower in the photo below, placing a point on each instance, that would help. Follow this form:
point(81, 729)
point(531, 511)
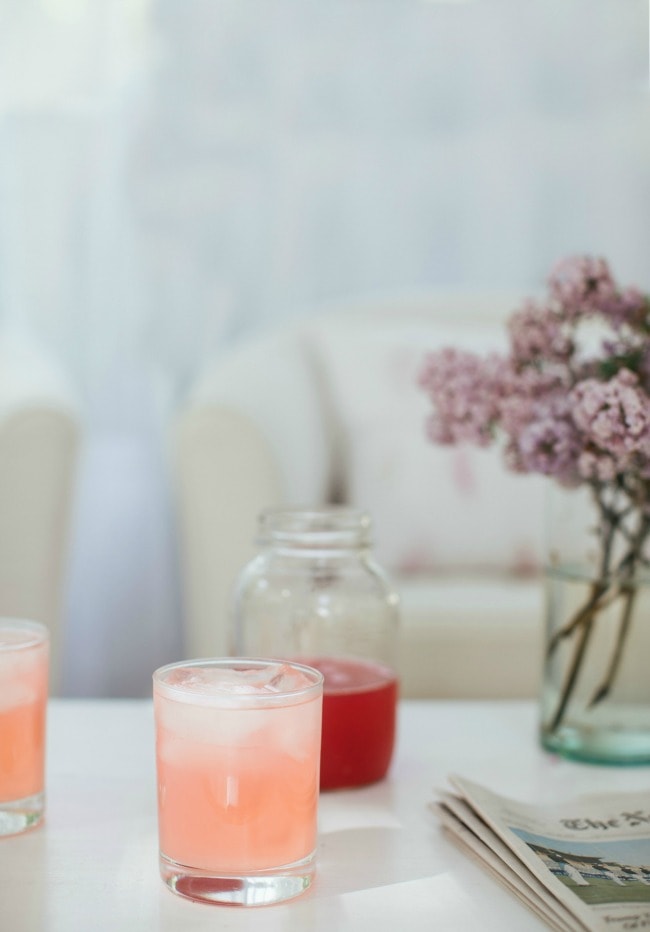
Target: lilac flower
point(613, 416)
point(598, 465)
point(558, 413)
point(551, 446)
point(538, 333)
point(464, 390)
point(582, 286)
point(631, 307)
point(526, 394)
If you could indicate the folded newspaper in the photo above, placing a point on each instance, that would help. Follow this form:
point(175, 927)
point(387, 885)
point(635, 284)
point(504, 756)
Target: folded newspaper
point(580, 865)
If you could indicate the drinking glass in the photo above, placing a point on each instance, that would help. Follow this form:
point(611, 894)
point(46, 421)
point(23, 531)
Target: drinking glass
point(237, 753)
point(24, 654)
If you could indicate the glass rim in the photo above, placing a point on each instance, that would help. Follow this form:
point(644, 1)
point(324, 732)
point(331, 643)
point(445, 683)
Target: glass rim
point(336, 517)
point(39, 631)
point(237, 700)
point(328, 526)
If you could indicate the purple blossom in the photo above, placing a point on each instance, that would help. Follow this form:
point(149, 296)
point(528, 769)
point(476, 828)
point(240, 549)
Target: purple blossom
point(551, 446)
point(557, 412)
point(581, 286)
point(528, 394)
point(464, 389)
point(613, 416)
point(538, 333)
point(598, 465)
point(630, 308)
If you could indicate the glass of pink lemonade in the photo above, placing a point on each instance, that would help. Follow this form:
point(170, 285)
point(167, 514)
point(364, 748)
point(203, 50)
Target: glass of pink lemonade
point(237, 754)
point(24, 651)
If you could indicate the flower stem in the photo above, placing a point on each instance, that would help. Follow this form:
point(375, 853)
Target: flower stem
point(632, 558)
point(605, 687)
point(584, 618)
point(593, 603)
point(587, 617)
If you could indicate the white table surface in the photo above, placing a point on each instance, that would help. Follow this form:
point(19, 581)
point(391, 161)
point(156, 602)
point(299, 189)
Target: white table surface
point(383, 862)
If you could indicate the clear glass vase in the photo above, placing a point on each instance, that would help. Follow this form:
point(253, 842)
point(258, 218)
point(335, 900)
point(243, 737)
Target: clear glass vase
point(595, 704)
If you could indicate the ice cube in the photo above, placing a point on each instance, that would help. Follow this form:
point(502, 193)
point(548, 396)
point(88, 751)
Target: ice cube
point(218, 682)
point(22, 678)
point(217, 705)
point(288, 679)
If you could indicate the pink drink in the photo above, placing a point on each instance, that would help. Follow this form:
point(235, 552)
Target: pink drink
point(23, 698)
point(238, 748)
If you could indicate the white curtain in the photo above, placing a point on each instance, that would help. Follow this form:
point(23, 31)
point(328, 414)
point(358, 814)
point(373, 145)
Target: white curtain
point(174, 173)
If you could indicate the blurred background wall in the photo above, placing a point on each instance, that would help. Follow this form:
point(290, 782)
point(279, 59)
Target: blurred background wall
point(177, 173)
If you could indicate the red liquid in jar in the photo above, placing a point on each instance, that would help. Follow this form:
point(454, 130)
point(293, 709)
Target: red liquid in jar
point(359, 706)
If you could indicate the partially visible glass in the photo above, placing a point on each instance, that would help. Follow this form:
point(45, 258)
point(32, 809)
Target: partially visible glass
point(237, 753)
point(24, 666)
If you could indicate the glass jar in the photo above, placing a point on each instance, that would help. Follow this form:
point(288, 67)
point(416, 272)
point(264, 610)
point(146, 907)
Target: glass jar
point(313, 593)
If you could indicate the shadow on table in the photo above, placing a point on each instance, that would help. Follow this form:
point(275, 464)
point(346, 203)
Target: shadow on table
point(361, 858)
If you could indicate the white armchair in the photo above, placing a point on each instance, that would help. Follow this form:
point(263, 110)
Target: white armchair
point(39, 431)
point(328, 409)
